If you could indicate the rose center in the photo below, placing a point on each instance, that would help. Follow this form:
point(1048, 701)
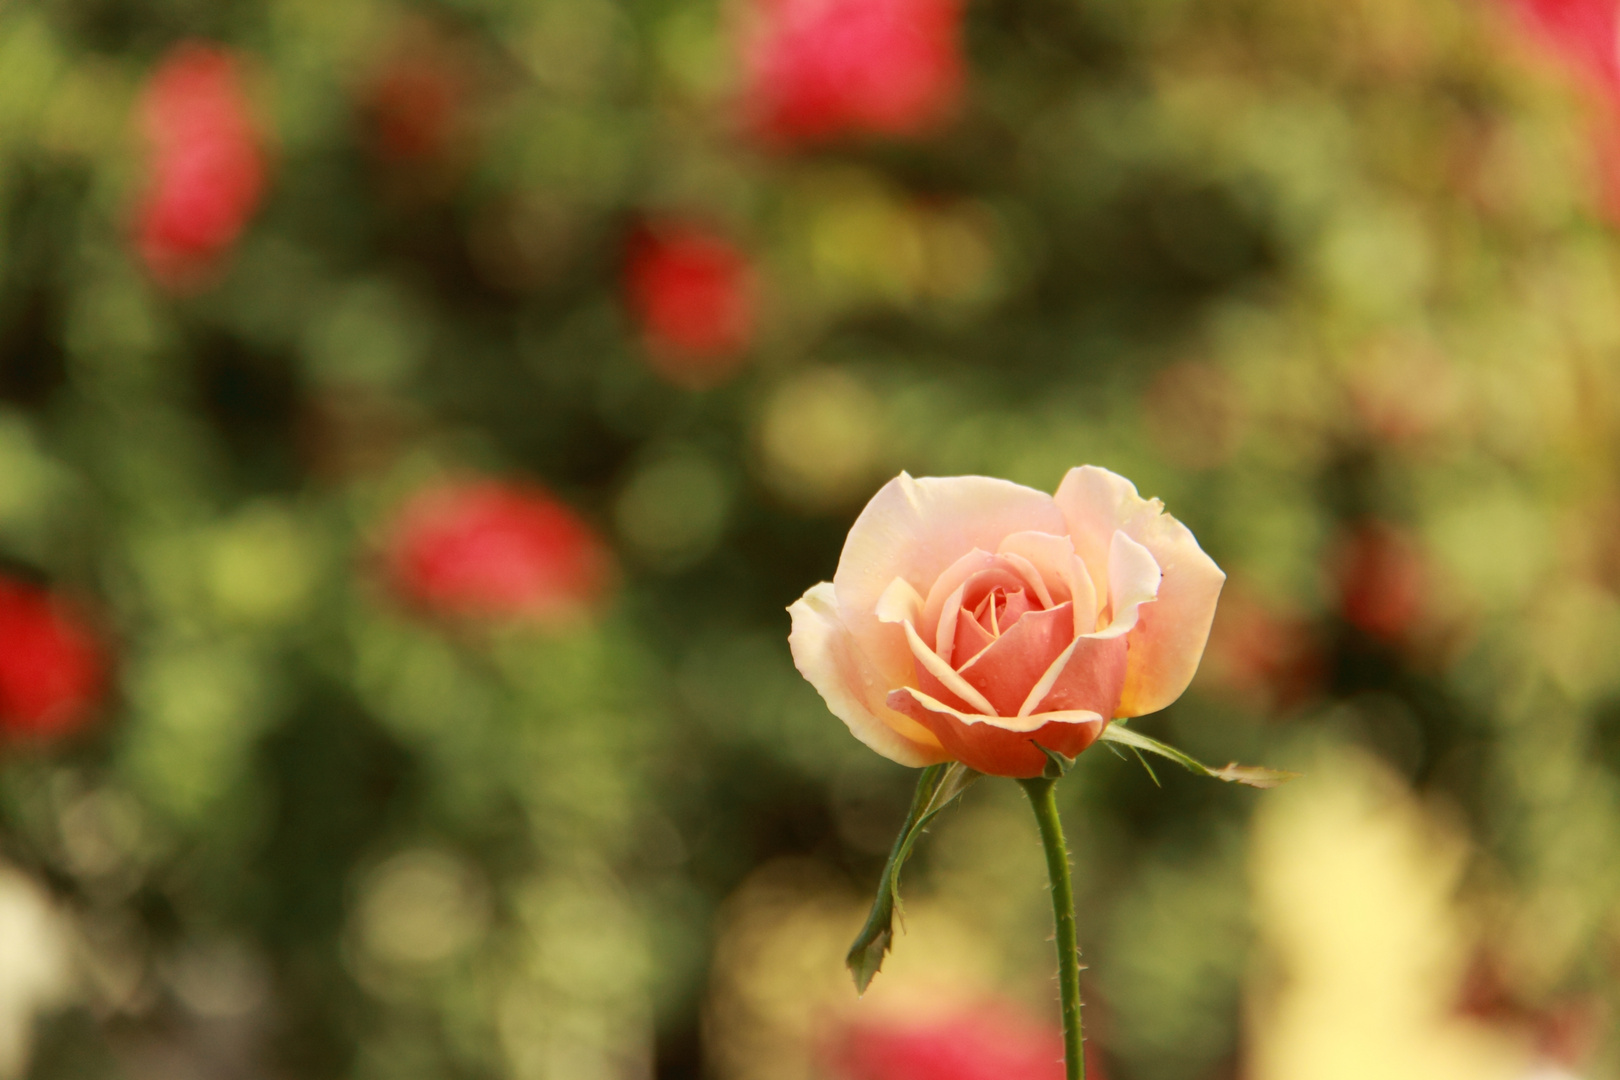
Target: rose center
point(1000, 608)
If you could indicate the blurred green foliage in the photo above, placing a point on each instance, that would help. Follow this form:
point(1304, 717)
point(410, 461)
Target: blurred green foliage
point(1293, 265)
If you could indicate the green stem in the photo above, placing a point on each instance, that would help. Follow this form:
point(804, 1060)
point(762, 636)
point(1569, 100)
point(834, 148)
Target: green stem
point(1043, 800)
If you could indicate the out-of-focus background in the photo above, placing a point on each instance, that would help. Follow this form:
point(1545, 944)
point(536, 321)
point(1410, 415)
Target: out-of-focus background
point(415, 418)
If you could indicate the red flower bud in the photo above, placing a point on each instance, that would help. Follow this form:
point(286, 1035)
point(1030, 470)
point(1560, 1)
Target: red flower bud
point(51, 670)
point(1381, 576)
point(206, 164)
point(817, 69)
point(693, 292)
point(987, 1043)
point(488, 549)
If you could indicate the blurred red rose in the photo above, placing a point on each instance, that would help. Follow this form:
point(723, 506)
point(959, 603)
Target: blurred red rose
point(817, 69)
point(1261, 653)
point(1381, 574)
point(413, 107)
point(693, 292)
point(414, 102)
point(1584, 32)
point(489, 549)
point(207, 166)
point(51, 669)
point(987, 1043)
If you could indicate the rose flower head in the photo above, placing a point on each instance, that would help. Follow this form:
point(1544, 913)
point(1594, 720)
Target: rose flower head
point(693, 293)
point(51, 669)
point(818, 69)
point(977, 620)
point(489, 549)
point(206, 164)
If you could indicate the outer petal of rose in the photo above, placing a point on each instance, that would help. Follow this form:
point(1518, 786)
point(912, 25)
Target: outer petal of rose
point(826, 655)
point(989, 744)
point(1095, 504)
point(1169, 638)
point(1171, 632)
point(915, 529)
point(1089, 675)
point(1010, 665)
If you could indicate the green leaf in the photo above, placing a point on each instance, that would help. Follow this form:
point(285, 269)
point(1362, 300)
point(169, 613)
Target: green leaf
point(1252, 775)
point(937, 787)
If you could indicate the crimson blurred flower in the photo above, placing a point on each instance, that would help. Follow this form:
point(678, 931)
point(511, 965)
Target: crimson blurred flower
point(414, 102)
point(694, 294)
point(207, 165)
point(1381, 574)
point(991, 1042)
point(817, 69)
point(1583, 32)
point(491, 549)
point(51, 669)
point(1259, 653)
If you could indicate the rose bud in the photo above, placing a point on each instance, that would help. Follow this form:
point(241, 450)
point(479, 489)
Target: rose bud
point(977, 620)
point(51, 670)
point(817, 69)
point(693, 294)
point(488, 549)
point(206, 165)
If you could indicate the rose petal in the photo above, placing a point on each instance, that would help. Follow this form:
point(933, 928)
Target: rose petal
point(1005, 670)
point(979, 571)
point(1014, 606)
point(971, 640)
point(1035, 581)
point(945, 634)
point(1090, 675)
point(827, 656)
point(931, 667)
point(915, 529)
point(947, 590)
point(1133, 580)
point(899, 603)
point(1168, 639)
point(1000, 746)
point(1054, 561)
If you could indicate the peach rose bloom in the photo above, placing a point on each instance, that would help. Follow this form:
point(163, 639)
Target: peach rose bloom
point(971, 619)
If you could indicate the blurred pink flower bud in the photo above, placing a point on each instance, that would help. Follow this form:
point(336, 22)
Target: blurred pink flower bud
point(52, 671)
point(979, 620)
point(693, 293)
point(991, 1042)
point(490, 549)
point(1380, 575)
point(416, 100)
point(206, 163)
point(817, 69)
